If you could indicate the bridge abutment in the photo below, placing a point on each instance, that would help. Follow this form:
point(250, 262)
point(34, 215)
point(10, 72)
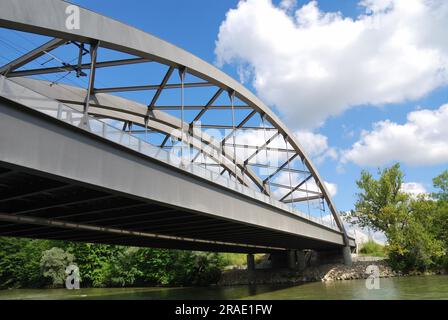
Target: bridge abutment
point(292, 259)
point(300, 259)
point(340, 256)
point(347, 254)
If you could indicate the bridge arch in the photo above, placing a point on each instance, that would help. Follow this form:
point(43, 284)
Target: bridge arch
point(303, 182)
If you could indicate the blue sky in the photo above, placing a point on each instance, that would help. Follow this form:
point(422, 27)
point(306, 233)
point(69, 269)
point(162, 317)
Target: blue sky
point(359, 116)
point(194, 26)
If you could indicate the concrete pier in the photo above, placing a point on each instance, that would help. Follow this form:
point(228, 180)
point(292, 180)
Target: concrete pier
point(250, 262)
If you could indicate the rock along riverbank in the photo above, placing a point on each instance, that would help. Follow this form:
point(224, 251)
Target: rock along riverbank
point(327, 272)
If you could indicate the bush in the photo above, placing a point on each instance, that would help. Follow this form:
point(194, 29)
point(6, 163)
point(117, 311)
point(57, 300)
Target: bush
point(371, 248)
point(53, 264)
point(39, 263)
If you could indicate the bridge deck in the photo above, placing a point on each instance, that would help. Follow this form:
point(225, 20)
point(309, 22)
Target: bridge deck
point(53, 173)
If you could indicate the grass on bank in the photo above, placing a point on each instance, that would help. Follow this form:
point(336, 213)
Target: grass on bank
point(371, 248)
point(239, 259)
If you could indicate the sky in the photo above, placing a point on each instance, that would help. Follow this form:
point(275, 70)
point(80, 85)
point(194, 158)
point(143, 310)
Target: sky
point(362, 84)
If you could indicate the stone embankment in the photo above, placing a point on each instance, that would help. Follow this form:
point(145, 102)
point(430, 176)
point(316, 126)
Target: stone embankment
point(327, 272)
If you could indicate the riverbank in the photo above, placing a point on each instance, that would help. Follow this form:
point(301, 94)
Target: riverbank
point(327, 272)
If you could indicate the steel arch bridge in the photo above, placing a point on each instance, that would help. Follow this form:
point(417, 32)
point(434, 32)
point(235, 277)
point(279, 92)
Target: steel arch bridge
point(145, 94)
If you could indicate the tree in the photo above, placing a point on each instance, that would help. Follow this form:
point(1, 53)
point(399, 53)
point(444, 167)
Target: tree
point(408, 223)
point(20, 262)
point(53, 264)
point(121, 270)
point(440, 225)
point(441, 182)
point(92, 259)
point(380, 202)
point(413, 244)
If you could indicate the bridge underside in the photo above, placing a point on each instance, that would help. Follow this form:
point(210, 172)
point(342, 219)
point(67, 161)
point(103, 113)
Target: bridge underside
point(45, 198)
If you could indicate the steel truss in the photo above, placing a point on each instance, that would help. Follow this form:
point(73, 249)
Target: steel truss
point(276, 138)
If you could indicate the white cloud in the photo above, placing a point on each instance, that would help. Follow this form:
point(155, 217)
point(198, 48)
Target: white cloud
point(422, 140)
point(315, 145)
point(332, 188)
point(413, 188)
point(288, 4)
point(312, 64)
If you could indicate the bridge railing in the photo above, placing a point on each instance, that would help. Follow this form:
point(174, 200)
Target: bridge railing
point(75, 116)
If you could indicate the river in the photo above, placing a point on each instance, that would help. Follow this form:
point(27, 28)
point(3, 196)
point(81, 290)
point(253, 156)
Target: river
point(422, 287)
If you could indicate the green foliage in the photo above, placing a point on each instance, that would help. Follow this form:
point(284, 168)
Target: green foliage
point(174, 267)
point(239, 259)
point(92, 260)
point(120, 270)
point(441, 182)
point(371, 248)
point(39, 263)
point(416, 228)
point(234, 259)
point(440, 224)
point(379, 204)
point(53, 264)
point(20, 262)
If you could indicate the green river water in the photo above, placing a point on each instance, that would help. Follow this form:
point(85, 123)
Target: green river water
point(422, 287)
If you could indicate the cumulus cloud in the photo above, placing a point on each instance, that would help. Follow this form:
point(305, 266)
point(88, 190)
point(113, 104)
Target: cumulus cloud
point(288, 4)
point(414, 189)
point(332, 188)
point(312, 64)
point(316, 145)
point(422, 140)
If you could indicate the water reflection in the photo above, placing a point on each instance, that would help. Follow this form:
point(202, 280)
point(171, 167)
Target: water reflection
point(429, 287)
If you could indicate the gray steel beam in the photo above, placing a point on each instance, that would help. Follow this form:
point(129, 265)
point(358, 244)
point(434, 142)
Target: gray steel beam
point(32, 55)
point(264, 145)
point(262, 165)
point(301, 199)
point(153, 87)
point(245, 146)
point(139, 215)
point(217, 107)
point(240, 126)
point(7, 173)
point(97, 211)
point(207, 106)
point(153, 221)
point(160, 87)
point(121, 232)
point(90, 89)
point(165, 140)
point(299, 189)
point(62, 204)
point(281, 168)
point(228, 127)
point(177, 226)
point(65, 68)
point(32, 193)
point(296, 187)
